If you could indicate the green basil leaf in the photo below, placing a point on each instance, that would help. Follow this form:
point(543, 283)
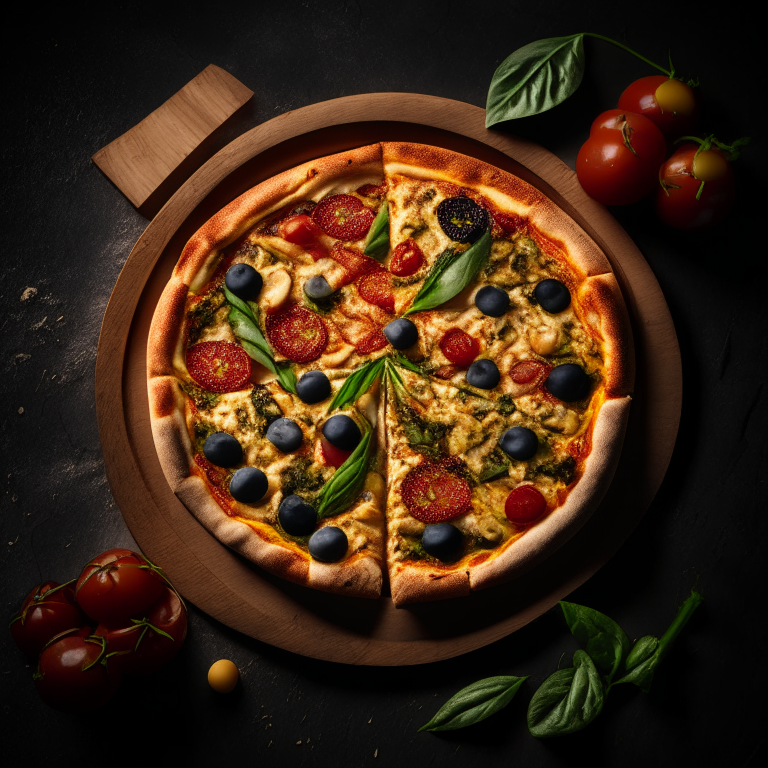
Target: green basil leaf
point(535, 78)
point(377, 239)
point(400, 359)
point(347, 481)
point(258, 355)
point(474, 703)
point(357, 384)
point(245, 329)
point(243, 306)
point(646, 655)
point(451, 274)
point(601, 637)
point(286, 377)
point(568, 700)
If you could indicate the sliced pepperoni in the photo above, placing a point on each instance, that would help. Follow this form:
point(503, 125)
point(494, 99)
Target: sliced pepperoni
point(298, 334)
point(373, 342)
point(529, 372)
point(343, 217)
point(406, 259)
point(376, 289)
point(355, 263)
point(433, 493)
point(525, 505)
point(219, 366)
point(459, 347)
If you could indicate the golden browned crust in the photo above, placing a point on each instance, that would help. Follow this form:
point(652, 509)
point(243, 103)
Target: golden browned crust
point(555, 529)
point(359, 577)
point(602, 306)
point(418, 583)
point(508, 192)
point(169, 429)
point(165, 329)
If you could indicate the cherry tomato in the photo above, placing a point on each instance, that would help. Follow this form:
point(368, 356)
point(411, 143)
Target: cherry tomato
point(619, 162)
point(671, 104)
point(676, 203)
point(117, 586)
point(373, 342)
point(459, 347)
point(333, 455)
point(299, 229)
point(406, 259)
point(376, 289)
point(147, 644)
point(76, 674)
point(434, 493)
point(343, 217)
point(48, 610)
point(525, 505)
point(297, 333)
point(219, 366)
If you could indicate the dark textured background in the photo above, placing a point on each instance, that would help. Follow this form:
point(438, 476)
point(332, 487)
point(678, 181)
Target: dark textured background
point(77, 78)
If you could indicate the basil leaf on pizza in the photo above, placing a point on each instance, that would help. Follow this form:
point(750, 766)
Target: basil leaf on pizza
point(494, 325)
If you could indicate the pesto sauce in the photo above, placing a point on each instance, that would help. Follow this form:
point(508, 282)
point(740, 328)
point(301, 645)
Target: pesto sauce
point(202, 398)
point(203, 430)
point(266, 407)
point(559, 470)
point(301, 479)
point(203, 312)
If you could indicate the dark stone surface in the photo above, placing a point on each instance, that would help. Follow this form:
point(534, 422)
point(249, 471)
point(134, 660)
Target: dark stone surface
point(76, 78)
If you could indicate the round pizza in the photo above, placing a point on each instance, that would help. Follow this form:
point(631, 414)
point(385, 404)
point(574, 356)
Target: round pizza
point(394, 367)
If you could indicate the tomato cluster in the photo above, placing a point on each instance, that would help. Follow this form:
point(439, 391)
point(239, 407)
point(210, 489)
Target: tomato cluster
point(625, 158)
point(122, 616)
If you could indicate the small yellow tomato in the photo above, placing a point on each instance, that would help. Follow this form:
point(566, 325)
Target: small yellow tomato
point(223, 676)
point(709, 165)
point(676, 97)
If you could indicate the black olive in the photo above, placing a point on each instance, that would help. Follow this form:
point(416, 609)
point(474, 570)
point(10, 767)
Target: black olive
point(313, 387)
point(552, 295)
point(462, 219)
point(401, 333)
point(285, 435)
point(342, 432)
point(442, 540)
point(296, 517)
point(520, 443)
point(223, 450)
point(483, 374)
point(248, 485)
point(329, 544)
point(244, 281)
point(568, 382)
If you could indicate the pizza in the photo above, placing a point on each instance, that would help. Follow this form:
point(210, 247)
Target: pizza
point(393, 368)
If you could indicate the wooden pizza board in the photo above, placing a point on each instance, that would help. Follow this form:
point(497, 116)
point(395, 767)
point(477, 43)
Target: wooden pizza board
point(331, 627)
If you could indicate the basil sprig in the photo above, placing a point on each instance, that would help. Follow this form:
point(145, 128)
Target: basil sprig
point(543, 74)
point(377, 240)
point(357, 384)
point(245, 326)
point(347, 481)
point(451, 274)
point(474, 703)
point(567, 700)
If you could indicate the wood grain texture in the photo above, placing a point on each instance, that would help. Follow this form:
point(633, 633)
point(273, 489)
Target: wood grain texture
point(327, 626)
point(146, 156)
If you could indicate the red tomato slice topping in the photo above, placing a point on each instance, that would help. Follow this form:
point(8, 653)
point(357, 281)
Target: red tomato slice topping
point(434, 493)
point(372, 343)
point(459, 347)
point(298, 334)
point(376, 289)
point(407, 259)
point(219, 366)
point(332, 455)
point(343, 217)
point(528, 371)
point(299, 229)
point(355, 263)
point(525, 505)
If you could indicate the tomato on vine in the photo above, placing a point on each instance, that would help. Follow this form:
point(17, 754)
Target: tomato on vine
point(619, 162)
point(670, 104)
point(696, 184)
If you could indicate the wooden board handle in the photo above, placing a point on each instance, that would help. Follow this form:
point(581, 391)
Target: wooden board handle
point(151, 160)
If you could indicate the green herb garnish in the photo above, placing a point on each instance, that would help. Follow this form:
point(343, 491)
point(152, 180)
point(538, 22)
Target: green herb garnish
point(377, 240)
point(358, 383)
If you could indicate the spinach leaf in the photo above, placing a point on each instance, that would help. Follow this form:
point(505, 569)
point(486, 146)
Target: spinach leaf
point(358, 383)
point(451, 274)
point(602, 638)
point(347, 481)
point(535, 78)
point(245, 326)
point(568, 700)
point(474, 703)
point(648, 652)
point(377, 240)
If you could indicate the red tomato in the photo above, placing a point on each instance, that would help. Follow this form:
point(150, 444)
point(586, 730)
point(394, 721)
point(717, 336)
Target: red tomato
point(117, 586)
point(299, 229)
point(406, 259)
point(147, 644)
point(343, 217)
point(75, 674)
point(434, 493)
point(525, 505)
point(678, 113)
point(459, 347)
point(676, 203)
point(619, 162)
point(333, 455)
point(48, 610)
point(373, 342)
point(219, 366)
point(376, 289)
point(297, 333)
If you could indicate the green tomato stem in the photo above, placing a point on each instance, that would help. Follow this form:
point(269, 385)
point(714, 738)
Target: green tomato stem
point(629, 50)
